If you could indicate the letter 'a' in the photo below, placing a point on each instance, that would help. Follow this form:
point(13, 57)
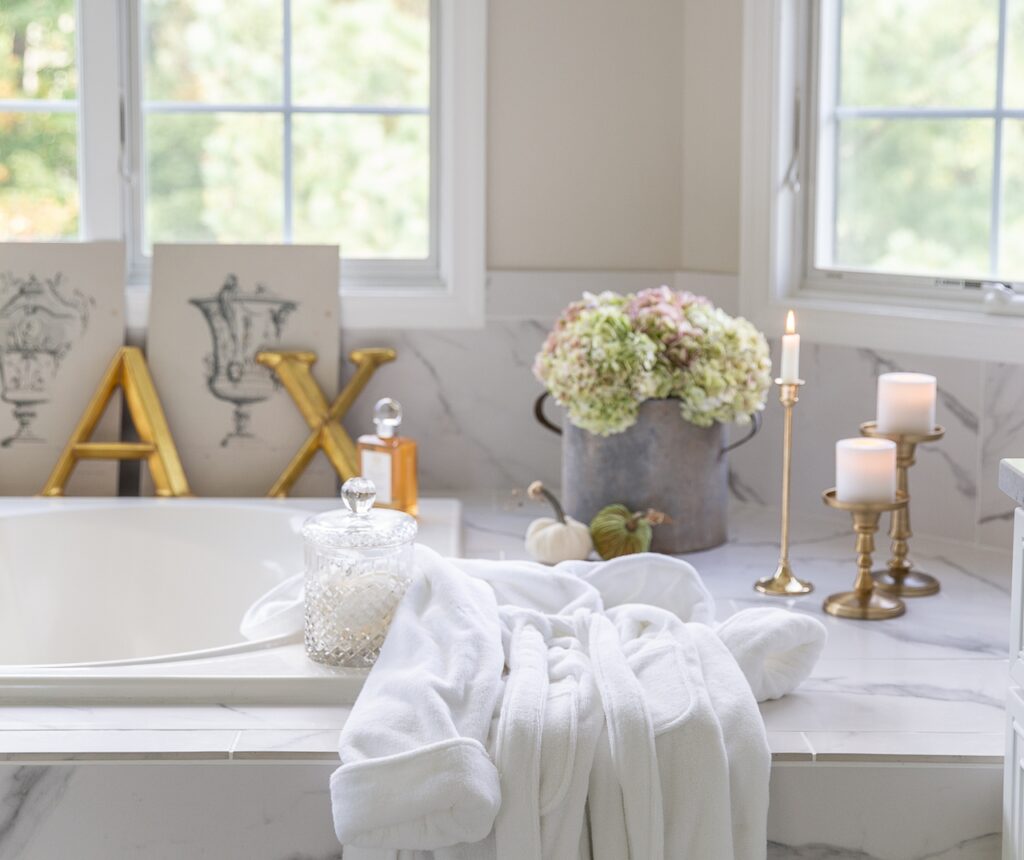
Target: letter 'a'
point(129, 371)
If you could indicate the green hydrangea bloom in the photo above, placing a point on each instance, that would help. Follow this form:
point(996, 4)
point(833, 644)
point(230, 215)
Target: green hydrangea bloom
point(608, 353)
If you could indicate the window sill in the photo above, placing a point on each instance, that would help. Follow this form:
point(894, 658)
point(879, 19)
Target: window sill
point(897, 326)
point(384, 306)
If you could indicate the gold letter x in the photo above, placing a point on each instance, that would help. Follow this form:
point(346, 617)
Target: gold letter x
point(293, 369)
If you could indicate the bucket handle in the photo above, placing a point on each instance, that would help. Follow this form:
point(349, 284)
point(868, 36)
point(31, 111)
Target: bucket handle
point(757, 419)
point(542, 419)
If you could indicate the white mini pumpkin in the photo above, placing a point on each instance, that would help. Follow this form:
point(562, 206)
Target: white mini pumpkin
point(559, 538)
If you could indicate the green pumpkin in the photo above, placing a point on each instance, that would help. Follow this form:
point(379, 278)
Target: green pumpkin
point(617, 530)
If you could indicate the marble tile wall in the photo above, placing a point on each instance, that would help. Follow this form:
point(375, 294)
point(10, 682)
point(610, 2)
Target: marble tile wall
point(166, 811)
point(838, 396)
point(468, 398)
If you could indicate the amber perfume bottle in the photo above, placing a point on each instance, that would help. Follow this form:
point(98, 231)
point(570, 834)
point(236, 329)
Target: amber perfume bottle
point(389, 460)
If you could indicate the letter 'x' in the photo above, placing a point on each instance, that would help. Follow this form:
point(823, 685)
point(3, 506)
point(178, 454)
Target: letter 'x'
point(293, 369)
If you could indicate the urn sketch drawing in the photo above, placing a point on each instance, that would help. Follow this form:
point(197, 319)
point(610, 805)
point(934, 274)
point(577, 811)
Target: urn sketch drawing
point(41, 320)
point(241, 325)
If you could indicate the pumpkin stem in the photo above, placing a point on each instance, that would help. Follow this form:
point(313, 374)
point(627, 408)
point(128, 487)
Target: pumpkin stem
point(537, 490)
point(655, 518)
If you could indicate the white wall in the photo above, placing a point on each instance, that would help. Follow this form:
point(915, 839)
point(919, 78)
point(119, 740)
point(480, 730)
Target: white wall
point(712, 41)
point(585, 133)
point(614, 134)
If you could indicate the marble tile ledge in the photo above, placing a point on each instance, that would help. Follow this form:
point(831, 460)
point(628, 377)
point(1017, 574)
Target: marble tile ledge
point(927, 688)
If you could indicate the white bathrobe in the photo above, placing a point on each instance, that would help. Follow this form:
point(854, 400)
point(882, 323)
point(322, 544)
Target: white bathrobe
point(520, 712)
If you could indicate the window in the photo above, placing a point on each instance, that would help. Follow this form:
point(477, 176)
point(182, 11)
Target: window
point(350, 122)
point(269, 121)
point(881, 171)
point(39, 196)
point(921, 138)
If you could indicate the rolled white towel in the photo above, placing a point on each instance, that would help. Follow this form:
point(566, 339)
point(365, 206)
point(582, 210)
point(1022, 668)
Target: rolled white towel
point(775, 648)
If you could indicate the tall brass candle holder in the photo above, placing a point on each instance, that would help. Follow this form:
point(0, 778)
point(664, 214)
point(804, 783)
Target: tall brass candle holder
point(784, 583)
point(864, 602)
point(899, 577)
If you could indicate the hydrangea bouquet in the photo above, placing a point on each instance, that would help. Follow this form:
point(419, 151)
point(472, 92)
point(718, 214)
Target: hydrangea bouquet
point(609, 353)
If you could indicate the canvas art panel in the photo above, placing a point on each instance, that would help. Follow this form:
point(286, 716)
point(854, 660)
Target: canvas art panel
point(61, 322)
point(212, 309)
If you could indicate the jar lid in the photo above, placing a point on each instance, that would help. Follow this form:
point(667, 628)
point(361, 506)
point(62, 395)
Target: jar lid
point(359, 525)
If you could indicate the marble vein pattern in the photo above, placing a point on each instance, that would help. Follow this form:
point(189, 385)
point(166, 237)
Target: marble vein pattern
point(468, 397)
point(839, 395)
point(1003, 436)
point(985, 847)
point(867, 812)
point(27, 797)
point(167, 812)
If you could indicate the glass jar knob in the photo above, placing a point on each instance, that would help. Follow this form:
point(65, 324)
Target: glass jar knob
point(359, 494)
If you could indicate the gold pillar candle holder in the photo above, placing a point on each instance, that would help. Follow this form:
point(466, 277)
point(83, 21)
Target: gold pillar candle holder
point(784, 583)
point(899, 577)
point(864, 602)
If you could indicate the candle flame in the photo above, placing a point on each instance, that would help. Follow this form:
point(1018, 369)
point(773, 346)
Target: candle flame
point(790, 323)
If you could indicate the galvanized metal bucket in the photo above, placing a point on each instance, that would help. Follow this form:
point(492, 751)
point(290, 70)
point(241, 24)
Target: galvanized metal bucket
point(661, 462)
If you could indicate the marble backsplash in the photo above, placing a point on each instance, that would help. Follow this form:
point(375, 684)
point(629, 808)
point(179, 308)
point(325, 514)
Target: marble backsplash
point(468, 398)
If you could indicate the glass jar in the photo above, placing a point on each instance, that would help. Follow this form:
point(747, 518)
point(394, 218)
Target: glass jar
point(358, 564)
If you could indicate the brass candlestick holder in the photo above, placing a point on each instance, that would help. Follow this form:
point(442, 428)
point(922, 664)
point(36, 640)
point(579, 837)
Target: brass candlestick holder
point(784, 583)
point(864, 602)
point(899, 578)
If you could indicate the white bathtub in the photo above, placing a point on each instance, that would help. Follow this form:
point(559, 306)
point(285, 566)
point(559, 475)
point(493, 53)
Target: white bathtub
point(142, 598)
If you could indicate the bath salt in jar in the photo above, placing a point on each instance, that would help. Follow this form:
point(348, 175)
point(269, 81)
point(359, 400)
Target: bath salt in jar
point(358, 563)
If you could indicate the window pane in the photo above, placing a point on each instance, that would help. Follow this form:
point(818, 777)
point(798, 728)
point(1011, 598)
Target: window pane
point(363, 182)
point(1011, 239)
point(37, 58)
point(1013, 80)
point(361, 52)
point(919, 52)
point(913, 195)
point(213, 51)
point(38, 176)
point(213, 178)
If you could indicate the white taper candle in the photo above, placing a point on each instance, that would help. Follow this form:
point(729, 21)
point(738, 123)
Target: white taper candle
point(789, 367)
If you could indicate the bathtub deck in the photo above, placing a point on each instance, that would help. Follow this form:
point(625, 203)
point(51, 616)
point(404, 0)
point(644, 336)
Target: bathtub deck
point(893, 747)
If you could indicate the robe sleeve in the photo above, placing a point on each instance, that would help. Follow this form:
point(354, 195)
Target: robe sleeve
point(775, 648)
point(415, 773)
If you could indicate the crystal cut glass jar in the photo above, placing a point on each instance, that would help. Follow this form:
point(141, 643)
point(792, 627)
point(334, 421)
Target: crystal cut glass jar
point(358, 564)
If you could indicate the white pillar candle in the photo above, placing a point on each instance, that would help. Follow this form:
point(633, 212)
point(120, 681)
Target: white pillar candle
point(865, 470)
point(906, 403)
point(789, 367)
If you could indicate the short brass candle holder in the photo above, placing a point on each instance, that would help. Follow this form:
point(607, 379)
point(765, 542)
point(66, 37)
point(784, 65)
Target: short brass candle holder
point(899, 577)
point(784, 583)
point(864, 602)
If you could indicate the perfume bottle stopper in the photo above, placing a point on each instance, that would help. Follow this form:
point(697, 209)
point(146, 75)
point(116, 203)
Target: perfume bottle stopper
point(387, 416)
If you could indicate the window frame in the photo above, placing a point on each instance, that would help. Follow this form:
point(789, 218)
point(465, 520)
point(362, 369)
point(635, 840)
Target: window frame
point(445, 291)
point(822, 33)
point(779, 144)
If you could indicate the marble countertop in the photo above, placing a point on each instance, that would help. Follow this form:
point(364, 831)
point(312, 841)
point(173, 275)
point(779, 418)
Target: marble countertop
point(1011, 479)
point(926, 687)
